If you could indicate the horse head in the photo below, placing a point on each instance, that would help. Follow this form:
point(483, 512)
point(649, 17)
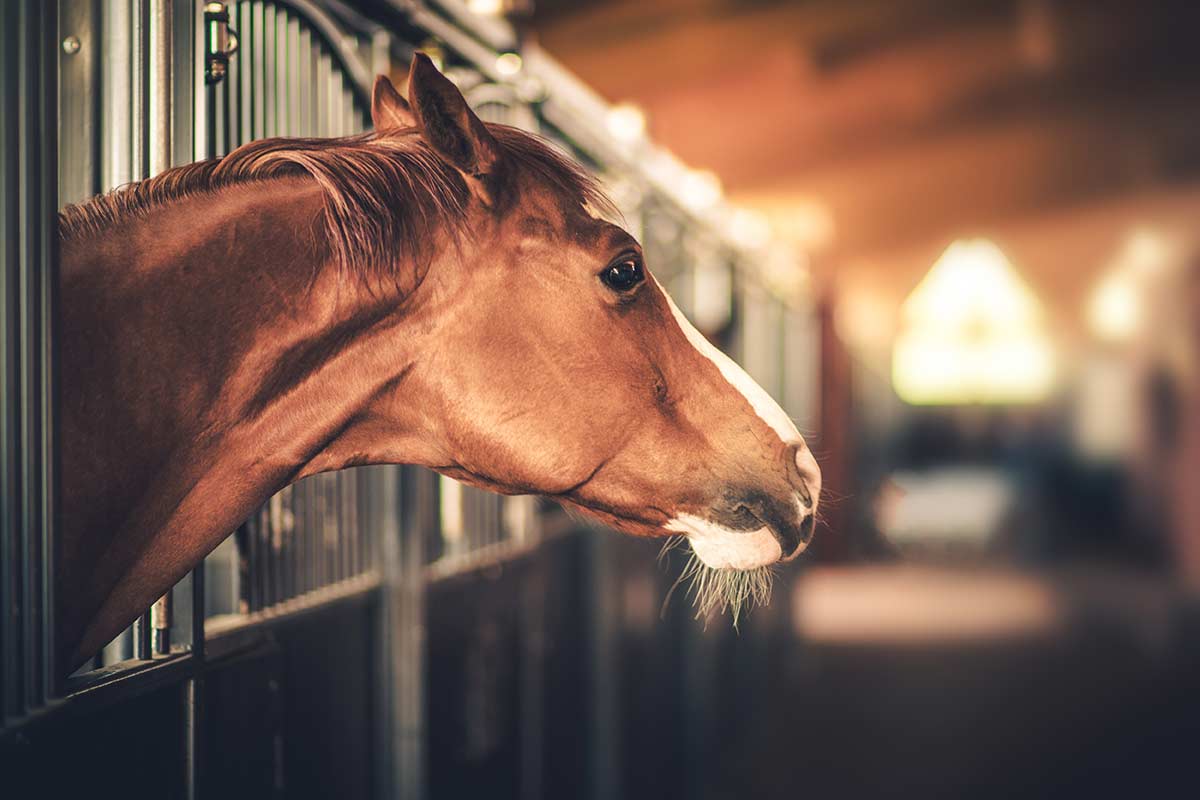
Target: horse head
point(559, 366)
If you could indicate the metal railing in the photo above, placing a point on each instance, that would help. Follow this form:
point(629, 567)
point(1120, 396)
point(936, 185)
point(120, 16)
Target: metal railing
point(140, 92)
point(28, 462)
point(295, 73)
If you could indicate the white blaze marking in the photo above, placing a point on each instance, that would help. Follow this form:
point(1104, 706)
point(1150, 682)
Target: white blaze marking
point(721, 548)
point(762, 403)
point(717, 546)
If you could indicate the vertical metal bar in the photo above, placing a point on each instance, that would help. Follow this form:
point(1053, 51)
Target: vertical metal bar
point(274, 512)
point(336, 91)
point(295, 78)
point(140, 167)
point(308, 57)
point(329, 529)
point(201, 99)
point(338, 481)
point(183, 81)
point(258, 70)
point(159, 87)
point(283, 76)
point(220, 118)
point(251, 564)
point(349, 522)
point(318, 530)
point(297, 534)
point(353, 481)
point(401, 536)
point(245, 59)
point(297, 557)
point(322, 120)
point(78, 83)
point(38, 286)
point(262, 569)
point(29, 178)
point(354, 540)
point(312, 509)
point(139, 95)
point(11, 571)
point(160, 624)
point(270, 78)
point(282, 548)
point(232, 87)
point(116, 85)
point(193, 688)
point(117, 137)
point(242, 541)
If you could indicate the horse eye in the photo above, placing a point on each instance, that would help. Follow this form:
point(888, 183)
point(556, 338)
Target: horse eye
point(623, 275)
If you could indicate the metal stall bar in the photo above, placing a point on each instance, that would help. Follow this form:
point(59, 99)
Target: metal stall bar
point(28, 190)
point(140, 168)
point(161, 131)
point(116, 158)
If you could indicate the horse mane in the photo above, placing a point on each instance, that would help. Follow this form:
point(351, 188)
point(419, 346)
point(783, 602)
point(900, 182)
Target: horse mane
point(385, 193)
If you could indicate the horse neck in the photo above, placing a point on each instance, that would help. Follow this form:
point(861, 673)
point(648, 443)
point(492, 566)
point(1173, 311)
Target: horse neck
point(209, 357)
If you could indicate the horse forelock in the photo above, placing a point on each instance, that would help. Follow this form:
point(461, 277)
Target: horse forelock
point(387, 195)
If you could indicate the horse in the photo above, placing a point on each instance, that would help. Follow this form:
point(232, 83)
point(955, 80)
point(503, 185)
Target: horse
point(439, 292)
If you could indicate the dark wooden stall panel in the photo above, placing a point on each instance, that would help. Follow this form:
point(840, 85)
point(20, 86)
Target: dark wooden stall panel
point(294, 716)
point(132, 749)
point(509, 691)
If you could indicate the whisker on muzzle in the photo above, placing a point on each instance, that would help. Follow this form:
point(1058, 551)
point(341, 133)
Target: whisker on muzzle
point(716, 591)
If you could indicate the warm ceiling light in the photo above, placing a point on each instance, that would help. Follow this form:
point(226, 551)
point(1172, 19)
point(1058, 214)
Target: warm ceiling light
point(486, 8)
point(749, 229)
point(700, 189)
point(626, 122)
point(972, 333)
point(508, 64)
point(1114, 311)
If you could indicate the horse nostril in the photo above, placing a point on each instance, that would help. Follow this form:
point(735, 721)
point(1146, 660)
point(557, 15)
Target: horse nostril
point(802, 472)
point(804, 534)
point(744, 517)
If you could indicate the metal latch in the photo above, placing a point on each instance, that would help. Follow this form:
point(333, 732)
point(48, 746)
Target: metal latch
point(220, 42)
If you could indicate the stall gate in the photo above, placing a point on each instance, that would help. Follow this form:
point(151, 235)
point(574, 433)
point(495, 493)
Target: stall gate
point(287, 663)
point(376, 631)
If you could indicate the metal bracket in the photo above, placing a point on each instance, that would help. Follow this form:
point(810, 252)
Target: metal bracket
point(220, 42)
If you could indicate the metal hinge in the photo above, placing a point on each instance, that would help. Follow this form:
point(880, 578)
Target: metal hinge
point(220, 42)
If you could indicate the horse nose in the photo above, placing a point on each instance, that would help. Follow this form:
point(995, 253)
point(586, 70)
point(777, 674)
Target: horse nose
point(794, 539)
point(803, 473)
point(750, 510)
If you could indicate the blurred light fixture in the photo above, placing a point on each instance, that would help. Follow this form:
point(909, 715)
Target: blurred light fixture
point(700, 189)
point(806, 221)
point(1114, 311)
point(785, 272)
point(864, 319)
point(626, 122)
point(971, 333)
point(508, 64)
point(1146, 252)
point(486, 8)
point(749, 229)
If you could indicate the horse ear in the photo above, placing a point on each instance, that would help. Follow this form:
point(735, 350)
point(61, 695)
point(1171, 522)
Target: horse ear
point(447, 122)
point(388, 108)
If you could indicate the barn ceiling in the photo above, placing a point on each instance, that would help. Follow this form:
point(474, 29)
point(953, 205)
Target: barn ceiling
point(876, 131)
